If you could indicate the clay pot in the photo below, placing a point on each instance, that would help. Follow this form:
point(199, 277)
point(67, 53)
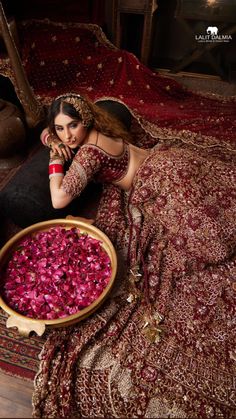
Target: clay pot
point(12, 135)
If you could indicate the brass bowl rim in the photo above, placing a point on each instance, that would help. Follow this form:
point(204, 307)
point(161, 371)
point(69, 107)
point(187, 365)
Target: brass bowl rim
point(67, 223)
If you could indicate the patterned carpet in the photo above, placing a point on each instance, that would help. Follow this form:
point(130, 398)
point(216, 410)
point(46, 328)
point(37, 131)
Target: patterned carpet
point(18, 355)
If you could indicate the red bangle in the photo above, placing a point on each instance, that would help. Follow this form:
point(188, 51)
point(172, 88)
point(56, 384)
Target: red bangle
point(55, 168)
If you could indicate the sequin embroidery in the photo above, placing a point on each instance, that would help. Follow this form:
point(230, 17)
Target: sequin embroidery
point(93, 162)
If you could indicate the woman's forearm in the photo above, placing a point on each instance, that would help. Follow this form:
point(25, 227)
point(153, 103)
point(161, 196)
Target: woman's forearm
point(59, 197)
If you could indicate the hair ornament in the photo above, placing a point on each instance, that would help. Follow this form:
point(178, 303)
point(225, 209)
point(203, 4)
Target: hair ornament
point(80, 105)
point(69, 94)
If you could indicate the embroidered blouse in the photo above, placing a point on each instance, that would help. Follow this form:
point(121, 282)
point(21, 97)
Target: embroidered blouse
point(92, 162)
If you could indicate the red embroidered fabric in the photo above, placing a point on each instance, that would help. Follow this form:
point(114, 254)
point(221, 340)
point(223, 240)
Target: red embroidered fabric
point(113, 168)
point(179, 220)
point(91, 162)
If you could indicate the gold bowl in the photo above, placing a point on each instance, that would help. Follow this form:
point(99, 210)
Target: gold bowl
point(25, 324)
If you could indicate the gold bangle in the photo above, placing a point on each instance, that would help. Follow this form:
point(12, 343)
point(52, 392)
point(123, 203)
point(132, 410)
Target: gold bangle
point(56, 157)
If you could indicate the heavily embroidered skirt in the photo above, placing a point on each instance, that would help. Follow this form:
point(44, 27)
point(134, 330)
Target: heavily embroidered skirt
point(176, 230)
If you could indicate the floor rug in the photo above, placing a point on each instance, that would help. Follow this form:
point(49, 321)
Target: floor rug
point(18, 354)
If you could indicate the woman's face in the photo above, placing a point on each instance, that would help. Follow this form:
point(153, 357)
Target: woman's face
point(70, 131)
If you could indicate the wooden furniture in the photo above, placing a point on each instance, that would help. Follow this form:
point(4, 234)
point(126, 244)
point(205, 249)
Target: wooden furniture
point(34, 112)
point(140, 7)
point(218, 14)
point(13, 29)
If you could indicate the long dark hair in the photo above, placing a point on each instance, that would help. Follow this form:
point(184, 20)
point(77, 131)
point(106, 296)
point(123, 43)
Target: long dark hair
point(103, 121)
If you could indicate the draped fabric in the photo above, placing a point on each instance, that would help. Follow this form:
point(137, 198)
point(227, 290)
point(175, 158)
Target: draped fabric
point(61, 57)
point(163, 344)
point(176, 229)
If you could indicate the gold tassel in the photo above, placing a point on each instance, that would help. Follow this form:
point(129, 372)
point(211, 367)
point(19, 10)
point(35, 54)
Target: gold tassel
point(151, 329)
point(134, 277)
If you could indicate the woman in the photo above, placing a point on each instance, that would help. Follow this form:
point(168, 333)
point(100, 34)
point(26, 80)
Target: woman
point(105, 151)
point(163, 344)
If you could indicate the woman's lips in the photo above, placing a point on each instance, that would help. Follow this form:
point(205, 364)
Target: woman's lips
point(71, 143)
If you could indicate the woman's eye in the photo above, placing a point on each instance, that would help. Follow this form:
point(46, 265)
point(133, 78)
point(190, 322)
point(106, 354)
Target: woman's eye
point(58, 128)
point(74, 125)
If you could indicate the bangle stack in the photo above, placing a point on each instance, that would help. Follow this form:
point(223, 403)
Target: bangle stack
point(48, 139)
point(55, 169)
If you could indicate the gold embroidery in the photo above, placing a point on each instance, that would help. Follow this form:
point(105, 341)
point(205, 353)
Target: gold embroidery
point(80, 105)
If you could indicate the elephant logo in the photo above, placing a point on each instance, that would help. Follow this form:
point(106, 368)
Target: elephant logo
point(212, 30)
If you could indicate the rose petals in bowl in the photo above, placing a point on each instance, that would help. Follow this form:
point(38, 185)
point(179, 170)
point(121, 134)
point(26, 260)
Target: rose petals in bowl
point(57, 272)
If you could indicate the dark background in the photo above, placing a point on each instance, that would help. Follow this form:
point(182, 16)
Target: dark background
point(173, 37)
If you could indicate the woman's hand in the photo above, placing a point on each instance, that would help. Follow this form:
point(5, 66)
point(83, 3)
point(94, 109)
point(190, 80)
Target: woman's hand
point(56, 145)
point(61, 149)
point(55, 157)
